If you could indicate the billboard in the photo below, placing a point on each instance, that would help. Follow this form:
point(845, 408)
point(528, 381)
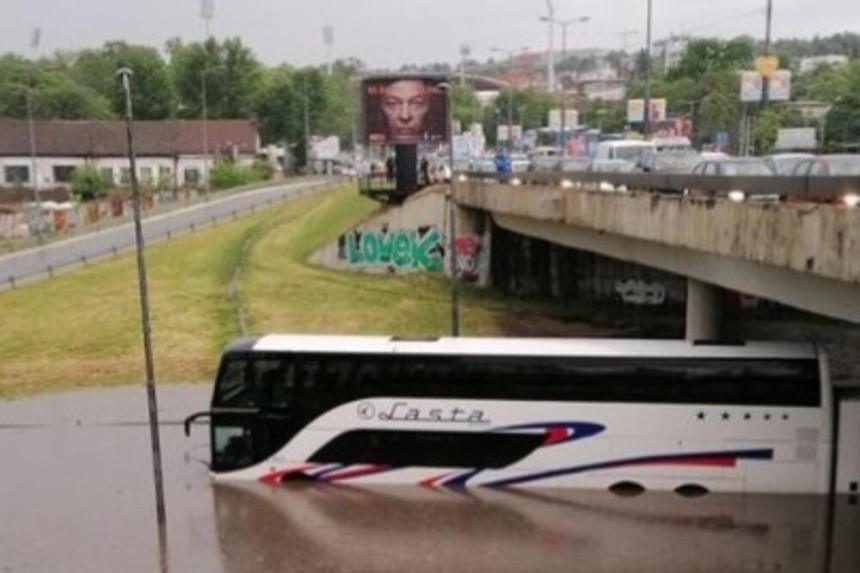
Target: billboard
point(405, 110)
point(571, 119)
point(636, 110)
point(779, 86)
point(751, 86)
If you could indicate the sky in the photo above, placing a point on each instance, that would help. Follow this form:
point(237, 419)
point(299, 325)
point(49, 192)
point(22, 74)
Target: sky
point(389, 33)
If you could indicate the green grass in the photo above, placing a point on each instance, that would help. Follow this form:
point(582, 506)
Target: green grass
point(82, 328)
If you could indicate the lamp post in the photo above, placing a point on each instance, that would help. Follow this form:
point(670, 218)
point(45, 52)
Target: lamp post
point(510, 54)
point(452, 232)
point(125, 74)
point(765, 91)
point(204, 116)
point(550, 63)
point(564, 24)
point(31, 127)
point(207, 12)
point(647, 127)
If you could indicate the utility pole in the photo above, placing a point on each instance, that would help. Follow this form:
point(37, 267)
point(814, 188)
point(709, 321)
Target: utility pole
point(204, 114)
point(647, 128)
point(765, 91)
point(563, 24)
point(510, 54)
point(125, 74)
point(550, 65)
point(328, 40)
point(307, 122)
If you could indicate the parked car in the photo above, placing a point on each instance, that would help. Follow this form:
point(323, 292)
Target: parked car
point(785, 163)
point(841, 164)
point(734, 166)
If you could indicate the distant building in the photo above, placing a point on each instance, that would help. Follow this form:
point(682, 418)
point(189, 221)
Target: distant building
point(670, 51)
point(169, 151)
point(808, 65)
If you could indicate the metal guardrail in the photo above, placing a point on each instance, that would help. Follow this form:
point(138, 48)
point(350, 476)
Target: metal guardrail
point(813, 188)
point(81, 250)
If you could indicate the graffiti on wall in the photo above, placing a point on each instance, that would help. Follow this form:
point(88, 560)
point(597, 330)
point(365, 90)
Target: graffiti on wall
point(641, 293)
point(468, 250)
point(393, 249)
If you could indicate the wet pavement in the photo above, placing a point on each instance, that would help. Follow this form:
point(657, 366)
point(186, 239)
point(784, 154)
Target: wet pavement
point(76, 494)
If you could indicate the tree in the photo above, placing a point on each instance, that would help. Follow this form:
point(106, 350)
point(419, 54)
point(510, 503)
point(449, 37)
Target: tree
point(232, 75)
point(843, 122)
point(711, 55)
point(153, 90)
point(88, 184)
point(467, 107)
point(767, 127)
point(55, 95)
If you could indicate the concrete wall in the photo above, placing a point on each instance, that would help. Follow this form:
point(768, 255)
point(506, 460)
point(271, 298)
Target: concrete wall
point(413, 238)
point(806, 256)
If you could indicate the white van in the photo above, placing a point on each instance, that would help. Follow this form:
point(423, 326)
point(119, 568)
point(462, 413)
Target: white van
point(636, 152)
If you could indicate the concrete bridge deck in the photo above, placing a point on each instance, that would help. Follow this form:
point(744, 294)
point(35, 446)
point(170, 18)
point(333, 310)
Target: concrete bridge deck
point(805, 255)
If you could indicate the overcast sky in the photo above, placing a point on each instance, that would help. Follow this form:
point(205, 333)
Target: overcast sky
point(388, 33)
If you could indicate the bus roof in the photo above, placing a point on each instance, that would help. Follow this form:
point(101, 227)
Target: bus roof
point(584, 347)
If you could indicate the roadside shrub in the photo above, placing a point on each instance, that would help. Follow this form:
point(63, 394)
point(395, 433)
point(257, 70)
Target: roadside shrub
point(88, 184)
point(227, 174)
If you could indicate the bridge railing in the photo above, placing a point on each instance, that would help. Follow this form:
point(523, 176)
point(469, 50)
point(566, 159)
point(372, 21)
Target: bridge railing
point(815, 188)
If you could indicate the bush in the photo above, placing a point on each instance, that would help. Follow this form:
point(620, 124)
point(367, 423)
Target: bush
point(88, 184)
point(227, 174)
point(264, 169)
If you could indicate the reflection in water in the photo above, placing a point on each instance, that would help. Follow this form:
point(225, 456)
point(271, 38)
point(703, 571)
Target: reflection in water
point(323, 528)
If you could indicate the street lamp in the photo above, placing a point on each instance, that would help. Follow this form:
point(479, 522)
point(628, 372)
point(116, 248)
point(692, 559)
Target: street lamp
point(550, 63)
point(31, 126)
point(563, 24)
point(647, 127)
point(125, 74)
point(452, 233)
point(510, 54)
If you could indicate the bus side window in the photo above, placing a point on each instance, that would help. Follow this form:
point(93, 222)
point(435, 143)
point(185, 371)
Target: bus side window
point(268, 378)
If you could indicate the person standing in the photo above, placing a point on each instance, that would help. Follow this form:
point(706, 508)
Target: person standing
point(390, 169)
point(425, 171)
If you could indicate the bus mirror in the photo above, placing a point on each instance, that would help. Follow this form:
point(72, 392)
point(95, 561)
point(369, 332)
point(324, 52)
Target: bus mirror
point(190, 419)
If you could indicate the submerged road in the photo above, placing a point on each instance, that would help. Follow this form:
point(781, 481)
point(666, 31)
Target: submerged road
point(76, 495)
point(43, 261)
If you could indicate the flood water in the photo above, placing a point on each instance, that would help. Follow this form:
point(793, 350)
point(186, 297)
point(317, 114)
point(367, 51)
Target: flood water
point(76, 494)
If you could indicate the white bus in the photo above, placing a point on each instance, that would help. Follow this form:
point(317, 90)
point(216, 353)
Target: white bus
point(660, 415)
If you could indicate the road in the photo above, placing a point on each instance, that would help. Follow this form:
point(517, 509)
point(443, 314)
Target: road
point(77, 495)
point(44, 261)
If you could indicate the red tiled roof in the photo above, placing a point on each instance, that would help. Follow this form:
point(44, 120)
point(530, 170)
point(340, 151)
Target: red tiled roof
point(108, 138)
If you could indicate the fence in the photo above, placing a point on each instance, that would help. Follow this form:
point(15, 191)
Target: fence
point(50, 258)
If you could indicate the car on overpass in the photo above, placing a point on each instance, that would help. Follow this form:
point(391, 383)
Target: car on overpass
point(734, 167)
point(785, 163)
point(682, 162)
point(845, 165)
point(634, 151)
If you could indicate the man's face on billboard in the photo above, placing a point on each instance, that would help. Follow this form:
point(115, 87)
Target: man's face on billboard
point(405, 104)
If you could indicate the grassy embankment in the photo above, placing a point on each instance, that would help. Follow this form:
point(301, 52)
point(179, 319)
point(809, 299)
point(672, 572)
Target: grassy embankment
point(81, 328)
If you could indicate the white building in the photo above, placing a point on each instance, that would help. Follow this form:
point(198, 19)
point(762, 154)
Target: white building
point(169, 153)
point(808, 65)
point(670, 51)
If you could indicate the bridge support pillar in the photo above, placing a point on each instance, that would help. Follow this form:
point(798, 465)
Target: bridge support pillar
point(704, 311)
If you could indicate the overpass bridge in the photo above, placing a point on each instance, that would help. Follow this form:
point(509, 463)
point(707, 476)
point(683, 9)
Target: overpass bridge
point(794, 241)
